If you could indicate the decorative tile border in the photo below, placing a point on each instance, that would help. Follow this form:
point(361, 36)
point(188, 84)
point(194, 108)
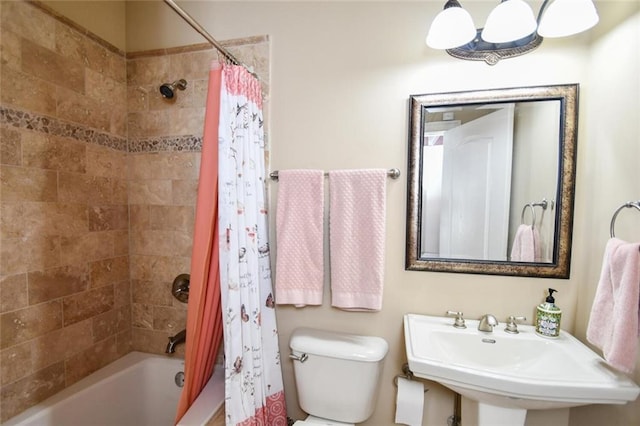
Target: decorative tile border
point(187, 143)
point(57, 127)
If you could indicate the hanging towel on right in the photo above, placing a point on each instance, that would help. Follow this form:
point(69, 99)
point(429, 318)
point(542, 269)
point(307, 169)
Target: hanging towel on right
point(357, 216)
point(615, 314)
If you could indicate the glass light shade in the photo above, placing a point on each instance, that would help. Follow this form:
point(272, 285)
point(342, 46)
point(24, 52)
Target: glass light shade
point(451, 28)
point(567, 17)
point(510, 20)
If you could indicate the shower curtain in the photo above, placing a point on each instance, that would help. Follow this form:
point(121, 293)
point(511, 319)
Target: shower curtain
point(253, 377)
point(204, 312)
point(230, 290)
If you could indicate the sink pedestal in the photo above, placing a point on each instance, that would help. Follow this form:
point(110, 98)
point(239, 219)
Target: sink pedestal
point(491, 415)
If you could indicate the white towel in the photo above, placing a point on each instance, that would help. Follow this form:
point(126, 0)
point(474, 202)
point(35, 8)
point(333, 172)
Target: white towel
point(357, 217)
point(526, 245)
point(615, 315)
point(299, 232)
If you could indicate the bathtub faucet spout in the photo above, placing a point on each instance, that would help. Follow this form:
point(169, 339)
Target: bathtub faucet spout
point(181, 337)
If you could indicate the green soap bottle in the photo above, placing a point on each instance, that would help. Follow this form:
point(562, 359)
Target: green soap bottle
point(548, 317)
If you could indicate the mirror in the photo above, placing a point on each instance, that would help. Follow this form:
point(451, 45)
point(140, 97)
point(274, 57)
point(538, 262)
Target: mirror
point(489, 172)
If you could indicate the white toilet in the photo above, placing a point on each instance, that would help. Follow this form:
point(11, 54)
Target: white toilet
point(337, 375)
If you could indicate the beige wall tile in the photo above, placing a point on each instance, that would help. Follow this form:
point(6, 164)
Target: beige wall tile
point(27, 184)
point(151, 292)
point(47, 65)
point(29, 22)
point(138, 97)
point(86, 247)
point(61, 344)
point(28, 93)
point(154, 342)
point(71, 219)
point(112, 322)
point(120, 243)
point(53, 152)
point(27, 323)
point(19, 255)
point(30, 390)
point(11, 50)
point(172, 218)
point(15, 363)
point(109, 271)
point(10, 147)
point(150, 191)
point(27, 219)
point(185, 192)
point(106, 218)
point(87, 304)
point(78, 108)
point(86, 362)
point(164, 165)
point(106, 162)
point(142, 315)
point(72, 188)
point(124, 342)
point(161, 243)
point(122, 293)
point(192, 65)
point(152, 71)
point(13, 292)
point(169, 122)
point(57, 282)
point(158, 268)
point(171, 320)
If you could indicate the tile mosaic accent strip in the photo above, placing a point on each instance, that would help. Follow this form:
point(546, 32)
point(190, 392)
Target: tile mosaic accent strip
point(187, 143)
point(57, 127)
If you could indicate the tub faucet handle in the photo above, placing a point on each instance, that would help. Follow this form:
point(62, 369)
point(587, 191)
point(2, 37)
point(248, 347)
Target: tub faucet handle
point(459, 321)
point(512, 327)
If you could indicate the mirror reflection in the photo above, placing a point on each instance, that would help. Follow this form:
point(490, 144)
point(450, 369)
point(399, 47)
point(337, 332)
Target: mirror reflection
point(491, 181)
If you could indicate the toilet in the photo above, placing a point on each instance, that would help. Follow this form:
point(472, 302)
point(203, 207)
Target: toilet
point(337, 375)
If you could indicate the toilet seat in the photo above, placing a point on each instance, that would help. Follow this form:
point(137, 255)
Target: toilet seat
point(317, 421)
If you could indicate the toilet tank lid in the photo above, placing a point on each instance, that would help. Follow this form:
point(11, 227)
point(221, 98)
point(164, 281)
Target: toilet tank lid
point(338, 345)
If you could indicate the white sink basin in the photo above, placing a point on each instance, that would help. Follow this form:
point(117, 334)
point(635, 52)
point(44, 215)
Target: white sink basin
point(514, 371)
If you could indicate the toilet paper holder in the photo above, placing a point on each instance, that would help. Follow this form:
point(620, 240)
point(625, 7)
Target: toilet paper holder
point(406, 374)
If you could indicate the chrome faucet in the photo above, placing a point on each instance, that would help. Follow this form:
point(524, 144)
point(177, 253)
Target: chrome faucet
point(181, 337)
point(487, 322)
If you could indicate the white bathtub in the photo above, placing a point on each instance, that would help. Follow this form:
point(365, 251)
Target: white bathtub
point(136, 390)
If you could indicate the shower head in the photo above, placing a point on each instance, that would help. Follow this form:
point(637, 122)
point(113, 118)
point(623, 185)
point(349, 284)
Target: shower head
point(167, 89)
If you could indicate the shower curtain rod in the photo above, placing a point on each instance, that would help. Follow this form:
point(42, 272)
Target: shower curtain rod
point(196, 26)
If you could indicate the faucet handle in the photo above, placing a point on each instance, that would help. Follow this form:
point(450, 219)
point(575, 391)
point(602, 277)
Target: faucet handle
point(459, 322)
point(512, 327)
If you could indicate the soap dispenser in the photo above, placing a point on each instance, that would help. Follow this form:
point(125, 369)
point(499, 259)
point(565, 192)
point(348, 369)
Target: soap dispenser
point(548, 317)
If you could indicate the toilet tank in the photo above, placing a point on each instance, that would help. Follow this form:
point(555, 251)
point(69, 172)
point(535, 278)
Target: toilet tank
point(340, 375)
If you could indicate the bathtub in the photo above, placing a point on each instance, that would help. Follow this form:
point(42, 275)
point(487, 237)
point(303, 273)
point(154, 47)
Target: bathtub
point(136, 390)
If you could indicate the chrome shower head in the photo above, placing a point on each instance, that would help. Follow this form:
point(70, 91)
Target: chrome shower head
point(167, 89)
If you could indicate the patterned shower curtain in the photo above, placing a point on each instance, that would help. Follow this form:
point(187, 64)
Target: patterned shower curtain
point(253, 377)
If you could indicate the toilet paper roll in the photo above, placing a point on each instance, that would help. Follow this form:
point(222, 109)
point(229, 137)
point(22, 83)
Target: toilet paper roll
point(409, 402)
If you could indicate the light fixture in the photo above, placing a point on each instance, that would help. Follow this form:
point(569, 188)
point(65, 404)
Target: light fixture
point(511, 28)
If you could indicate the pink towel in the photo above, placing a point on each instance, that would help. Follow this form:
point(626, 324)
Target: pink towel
point(299, 233)
point(357, 238)
point(615, 315)
point(526, 245)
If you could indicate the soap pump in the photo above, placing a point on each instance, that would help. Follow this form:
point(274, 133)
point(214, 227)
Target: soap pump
point(548, 317)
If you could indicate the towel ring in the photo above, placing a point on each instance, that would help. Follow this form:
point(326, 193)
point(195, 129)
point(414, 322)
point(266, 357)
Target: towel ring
point(630, 204)
point(533, 215)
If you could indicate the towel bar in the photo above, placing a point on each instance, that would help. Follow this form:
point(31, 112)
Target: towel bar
point(392, 173)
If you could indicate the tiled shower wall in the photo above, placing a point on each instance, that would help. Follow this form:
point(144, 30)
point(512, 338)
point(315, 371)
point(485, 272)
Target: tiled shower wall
point(98, 181)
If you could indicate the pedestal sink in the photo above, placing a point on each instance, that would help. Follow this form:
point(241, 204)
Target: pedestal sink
point(508, 374)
